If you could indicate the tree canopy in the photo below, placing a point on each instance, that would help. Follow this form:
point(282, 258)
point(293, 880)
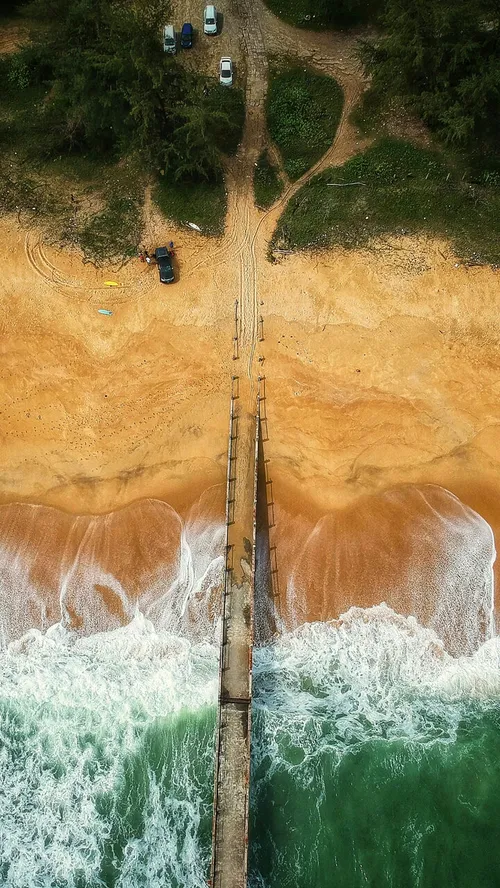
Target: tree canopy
point(346, 13)
point(445, 56)
point(113, 91)
point(10, 7)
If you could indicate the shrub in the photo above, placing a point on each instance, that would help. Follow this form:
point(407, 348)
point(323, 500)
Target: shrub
point(403, 189)
point(303, 113)
point(267, 184)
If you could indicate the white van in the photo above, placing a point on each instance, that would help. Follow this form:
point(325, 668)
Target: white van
point(169, 39)
point(210, 20)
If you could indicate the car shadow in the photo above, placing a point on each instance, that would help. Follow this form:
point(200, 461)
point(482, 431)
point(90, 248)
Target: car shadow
point(220, 22)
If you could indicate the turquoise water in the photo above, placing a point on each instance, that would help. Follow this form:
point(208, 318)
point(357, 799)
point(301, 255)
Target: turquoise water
point(376, 759)
point(106, 749)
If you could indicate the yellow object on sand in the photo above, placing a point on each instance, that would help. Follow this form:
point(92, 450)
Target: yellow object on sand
point(111, 284)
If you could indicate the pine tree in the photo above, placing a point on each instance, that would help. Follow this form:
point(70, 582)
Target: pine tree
point(445, 56)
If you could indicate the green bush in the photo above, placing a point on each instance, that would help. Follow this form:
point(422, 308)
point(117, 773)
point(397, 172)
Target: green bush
point(326, 13)
point(394, 188)
point(303, 113)
point(18, 74)
point(115, 231)
point(226, 109)
point(203, 203)
point(267, 184)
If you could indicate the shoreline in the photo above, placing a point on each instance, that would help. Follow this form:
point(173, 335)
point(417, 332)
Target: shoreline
point(381, 370)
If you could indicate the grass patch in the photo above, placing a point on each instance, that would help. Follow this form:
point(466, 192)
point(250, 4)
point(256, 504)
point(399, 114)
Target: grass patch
point(378, 115)
point(266, 182)
point(114, 229)
point(406, 190)
point(203, 203)
point(319, 14)
point(303, 113)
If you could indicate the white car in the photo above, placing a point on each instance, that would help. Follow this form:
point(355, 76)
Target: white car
point(169, 39)
point(226, 71)
point(210, 20)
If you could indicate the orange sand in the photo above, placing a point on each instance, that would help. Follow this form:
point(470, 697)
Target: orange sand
point(382, 369)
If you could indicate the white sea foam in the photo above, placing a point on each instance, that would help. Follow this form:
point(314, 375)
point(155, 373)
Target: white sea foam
point(73, 710)
point(187, 606)
point(371, 674)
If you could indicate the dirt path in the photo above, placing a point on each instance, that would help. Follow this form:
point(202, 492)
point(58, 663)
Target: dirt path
point(242, 219)
point(247, 230)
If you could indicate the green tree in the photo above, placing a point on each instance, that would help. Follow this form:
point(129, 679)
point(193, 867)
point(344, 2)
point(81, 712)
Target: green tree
point(444, 55)
point(346, 13)
point(113, 91)
point(11, 7)
point(106, 58)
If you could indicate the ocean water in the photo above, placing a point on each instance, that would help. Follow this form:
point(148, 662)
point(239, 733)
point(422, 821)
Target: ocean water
point(376, 751)
point(106, 748)
point(376, 758)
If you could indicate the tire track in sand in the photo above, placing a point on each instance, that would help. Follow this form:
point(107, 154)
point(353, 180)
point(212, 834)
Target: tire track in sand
point(242, 216)
point(37, 259)
point(248, 230)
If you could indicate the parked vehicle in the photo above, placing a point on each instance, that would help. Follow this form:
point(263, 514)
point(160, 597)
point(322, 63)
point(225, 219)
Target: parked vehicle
point(226, 71)
point(187, 35)
point(165, 266)
point(210, 20)
point(169, 40)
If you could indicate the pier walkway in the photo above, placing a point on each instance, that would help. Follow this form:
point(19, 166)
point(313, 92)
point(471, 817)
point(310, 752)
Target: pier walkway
point(232, 755)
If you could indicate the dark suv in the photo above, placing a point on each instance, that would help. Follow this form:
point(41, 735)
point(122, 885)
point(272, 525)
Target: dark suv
point(187, 35)
point(165, 267)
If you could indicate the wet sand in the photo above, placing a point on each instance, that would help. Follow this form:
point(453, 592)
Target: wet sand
point(381, 371)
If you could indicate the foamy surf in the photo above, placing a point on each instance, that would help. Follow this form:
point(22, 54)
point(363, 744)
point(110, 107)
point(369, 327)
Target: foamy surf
point(106, 758)
point(374, 673)
point(375, 758)
point(107, 741)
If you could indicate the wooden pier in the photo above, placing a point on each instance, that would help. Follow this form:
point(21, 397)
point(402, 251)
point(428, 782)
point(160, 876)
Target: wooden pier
point(232, 754)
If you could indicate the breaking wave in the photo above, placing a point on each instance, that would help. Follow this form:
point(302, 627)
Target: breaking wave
point(375, 748)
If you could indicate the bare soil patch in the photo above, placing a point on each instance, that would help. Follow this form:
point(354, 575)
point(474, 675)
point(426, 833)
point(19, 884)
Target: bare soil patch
point(12, 36)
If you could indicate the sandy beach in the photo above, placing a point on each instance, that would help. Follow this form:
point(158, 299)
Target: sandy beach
point(380, 382)
point(381, 373)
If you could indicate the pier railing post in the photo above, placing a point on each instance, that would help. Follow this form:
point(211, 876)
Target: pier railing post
point(232, 753)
